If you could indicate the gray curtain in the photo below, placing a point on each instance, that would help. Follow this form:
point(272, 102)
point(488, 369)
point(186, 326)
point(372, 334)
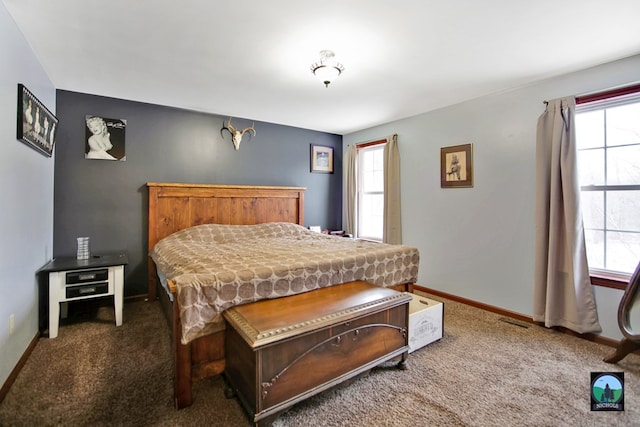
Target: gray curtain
point(392, 229)
point(563, 295)
point(349, 189)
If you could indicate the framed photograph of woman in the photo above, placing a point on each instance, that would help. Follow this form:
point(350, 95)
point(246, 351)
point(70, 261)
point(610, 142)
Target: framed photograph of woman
point(321, 159)
point(105, 138)
point(456, 166)
point(37, 126)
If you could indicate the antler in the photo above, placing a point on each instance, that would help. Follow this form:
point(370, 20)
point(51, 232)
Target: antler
point(251, 130)
point(236, 135)
point(228, 127)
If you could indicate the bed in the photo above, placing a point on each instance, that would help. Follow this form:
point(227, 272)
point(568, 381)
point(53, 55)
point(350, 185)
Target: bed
point(186, 219)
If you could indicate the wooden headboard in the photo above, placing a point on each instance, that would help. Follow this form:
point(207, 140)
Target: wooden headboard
point(173, 207)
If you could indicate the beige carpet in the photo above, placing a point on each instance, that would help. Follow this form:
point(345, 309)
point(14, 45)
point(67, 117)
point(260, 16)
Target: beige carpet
point(484, 372)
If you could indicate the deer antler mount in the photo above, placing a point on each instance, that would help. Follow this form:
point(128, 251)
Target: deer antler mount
point(236, 135)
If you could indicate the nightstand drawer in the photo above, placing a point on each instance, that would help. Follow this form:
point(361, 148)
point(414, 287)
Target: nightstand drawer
point(87, 290)
point(86, 276)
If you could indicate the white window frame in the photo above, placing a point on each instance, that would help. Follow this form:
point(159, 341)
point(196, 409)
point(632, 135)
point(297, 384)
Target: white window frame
point(604, 102)
point(360, 179)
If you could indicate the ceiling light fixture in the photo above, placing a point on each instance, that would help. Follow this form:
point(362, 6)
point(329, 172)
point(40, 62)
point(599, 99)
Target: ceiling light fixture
point(327, 69)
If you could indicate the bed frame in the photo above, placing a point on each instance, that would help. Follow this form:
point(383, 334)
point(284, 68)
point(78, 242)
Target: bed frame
point(173, 207)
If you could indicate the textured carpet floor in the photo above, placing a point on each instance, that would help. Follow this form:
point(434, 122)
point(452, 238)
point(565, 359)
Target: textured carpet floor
point(484, 372)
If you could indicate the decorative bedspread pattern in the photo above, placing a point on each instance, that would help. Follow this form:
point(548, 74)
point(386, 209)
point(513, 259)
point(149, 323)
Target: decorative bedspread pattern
point(218, 266)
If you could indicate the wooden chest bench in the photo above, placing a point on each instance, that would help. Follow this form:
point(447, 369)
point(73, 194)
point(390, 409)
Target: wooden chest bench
point(281, 351)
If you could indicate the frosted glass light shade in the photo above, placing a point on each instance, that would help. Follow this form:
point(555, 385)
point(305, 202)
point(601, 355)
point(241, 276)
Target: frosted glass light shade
point(327, 69)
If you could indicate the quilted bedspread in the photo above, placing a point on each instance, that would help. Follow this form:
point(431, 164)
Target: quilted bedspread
point(218, 266)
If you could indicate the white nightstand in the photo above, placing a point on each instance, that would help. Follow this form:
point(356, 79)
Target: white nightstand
point(71, 279)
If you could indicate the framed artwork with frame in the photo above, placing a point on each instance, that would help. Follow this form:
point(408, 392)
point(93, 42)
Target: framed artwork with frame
point(321, 159)
point(36, 126)
point(105, 138)
point(456, 166)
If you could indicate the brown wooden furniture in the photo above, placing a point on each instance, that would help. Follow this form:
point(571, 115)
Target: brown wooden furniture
point(287, 349)
point(175, 206)
point(628, 319)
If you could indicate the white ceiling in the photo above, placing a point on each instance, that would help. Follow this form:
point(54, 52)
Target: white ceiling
point(250, 58)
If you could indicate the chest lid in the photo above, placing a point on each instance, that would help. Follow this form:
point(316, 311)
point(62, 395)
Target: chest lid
point(271, 320)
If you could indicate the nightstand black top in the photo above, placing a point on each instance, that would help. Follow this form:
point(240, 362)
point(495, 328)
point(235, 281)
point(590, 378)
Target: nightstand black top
point(94, 261)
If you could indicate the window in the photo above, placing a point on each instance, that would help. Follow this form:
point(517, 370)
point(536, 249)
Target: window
point(370, 184)
point(608, 142)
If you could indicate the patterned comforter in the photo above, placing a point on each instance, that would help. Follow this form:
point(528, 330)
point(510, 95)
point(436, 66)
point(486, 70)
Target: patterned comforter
point(218, 266)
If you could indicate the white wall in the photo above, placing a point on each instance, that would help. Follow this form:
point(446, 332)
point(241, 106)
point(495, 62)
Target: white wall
point(478, 242)
point(26, 191)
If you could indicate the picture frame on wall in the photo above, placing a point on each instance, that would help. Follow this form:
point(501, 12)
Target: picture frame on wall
point(456, 166)
point(105, 138)
point(37, 126)
point(321, 159)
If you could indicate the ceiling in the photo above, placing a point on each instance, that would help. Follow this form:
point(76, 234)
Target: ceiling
point(250, 58)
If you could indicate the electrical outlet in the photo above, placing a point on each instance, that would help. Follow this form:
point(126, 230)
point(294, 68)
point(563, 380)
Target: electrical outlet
point(12, 323)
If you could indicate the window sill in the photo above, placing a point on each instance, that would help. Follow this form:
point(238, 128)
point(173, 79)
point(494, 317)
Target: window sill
point(368, 239)
point(609, 280)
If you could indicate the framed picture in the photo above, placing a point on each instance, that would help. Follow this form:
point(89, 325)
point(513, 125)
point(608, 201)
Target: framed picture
point(321, 159)
point(456, 166)
point(37, 126)
point(105, 138)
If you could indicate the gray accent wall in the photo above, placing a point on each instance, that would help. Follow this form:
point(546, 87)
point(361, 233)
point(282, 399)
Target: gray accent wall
point(107, 200)
point(26, 186)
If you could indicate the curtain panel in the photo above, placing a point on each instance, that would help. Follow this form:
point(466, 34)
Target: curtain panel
point(392, 229)
point(349, 189)
point(563, 295)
